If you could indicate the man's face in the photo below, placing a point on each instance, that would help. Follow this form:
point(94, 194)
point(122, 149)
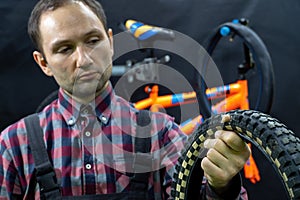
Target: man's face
point(77, 49)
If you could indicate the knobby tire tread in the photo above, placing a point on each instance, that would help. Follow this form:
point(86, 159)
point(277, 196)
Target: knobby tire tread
point(273, 139)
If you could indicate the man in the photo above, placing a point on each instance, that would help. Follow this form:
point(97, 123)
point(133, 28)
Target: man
point(90, 133)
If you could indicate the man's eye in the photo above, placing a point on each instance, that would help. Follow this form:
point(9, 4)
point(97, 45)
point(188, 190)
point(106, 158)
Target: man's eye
point(93, 40)
point(64, 50)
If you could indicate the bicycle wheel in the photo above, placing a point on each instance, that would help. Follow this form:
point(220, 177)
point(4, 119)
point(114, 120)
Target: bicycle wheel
point(258, 54)
point(274, 140)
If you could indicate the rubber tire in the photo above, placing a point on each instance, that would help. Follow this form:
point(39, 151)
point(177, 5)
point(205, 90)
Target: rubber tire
point(261, 57)
point(277, 143)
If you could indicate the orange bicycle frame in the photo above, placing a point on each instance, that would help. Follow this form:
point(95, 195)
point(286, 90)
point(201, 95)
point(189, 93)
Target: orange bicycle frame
point(234, 96)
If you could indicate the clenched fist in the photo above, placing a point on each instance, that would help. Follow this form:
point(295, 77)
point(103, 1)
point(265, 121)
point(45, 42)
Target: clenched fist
point(226, 156)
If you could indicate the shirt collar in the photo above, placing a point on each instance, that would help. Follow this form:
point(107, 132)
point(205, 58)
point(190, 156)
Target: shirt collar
point(101, 106)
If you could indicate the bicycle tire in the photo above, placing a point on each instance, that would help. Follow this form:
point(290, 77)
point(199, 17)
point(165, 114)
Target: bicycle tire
point(273, 139)
point(260, 55)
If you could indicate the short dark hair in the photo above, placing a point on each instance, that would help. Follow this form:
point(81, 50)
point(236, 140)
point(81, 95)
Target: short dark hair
point(51, 5)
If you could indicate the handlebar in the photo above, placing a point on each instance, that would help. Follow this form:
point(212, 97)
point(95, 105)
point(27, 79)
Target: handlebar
point(144, 32)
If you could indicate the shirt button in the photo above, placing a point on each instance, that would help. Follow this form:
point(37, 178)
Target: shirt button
point(88, 166)
point(103, 119)
point(88, 134)
point(71, 121)
point(85, 111)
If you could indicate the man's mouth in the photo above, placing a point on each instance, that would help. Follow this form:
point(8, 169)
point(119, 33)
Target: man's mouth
point(86, 76)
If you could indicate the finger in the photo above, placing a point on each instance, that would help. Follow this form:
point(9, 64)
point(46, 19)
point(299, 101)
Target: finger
point(230, 166)
point(229, 156)
point(210, 168)
point(218, 145)
point(215, 175)
point(232, 140)
point(217, 158)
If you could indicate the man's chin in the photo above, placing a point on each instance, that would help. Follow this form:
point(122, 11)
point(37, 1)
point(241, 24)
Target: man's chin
point(88, 91)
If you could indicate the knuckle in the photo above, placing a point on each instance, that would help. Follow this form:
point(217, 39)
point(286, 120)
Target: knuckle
point(229, 139)
point(224, 176)
point(218, 143)
point(210, 153)
point(232, 173)
point(205, 163)
point(239, 163)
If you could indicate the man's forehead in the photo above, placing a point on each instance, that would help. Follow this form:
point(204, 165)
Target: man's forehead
point(70, 9)
point(67, 16)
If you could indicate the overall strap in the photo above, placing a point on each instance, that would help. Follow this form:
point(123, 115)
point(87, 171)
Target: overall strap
point(143, 136)
point(142, 162)
point(45, 174)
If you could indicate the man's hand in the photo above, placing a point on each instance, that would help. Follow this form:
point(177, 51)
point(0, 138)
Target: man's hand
point(226, 156)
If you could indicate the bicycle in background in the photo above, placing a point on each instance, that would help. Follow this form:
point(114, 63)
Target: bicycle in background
point(274, 140)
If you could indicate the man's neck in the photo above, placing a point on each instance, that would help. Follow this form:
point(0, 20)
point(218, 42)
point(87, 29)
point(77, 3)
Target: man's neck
point(87, 99)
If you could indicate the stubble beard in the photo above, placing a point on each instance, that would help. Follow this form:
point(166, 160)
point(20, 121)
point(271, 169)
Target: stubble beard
point(87, 91)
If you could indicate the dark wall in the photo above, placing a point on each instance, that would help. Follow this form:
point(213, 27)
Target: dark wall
point(23, 86)
point(22, 83)
point(274, 21)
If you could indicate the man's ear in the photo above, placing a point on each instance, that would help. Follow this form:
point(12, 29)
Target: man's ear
point(111, 41)
point(40, 60)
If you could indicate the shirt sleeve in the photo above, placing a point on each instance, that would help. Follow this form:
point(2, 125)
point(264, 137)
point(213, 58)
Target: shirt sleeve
point(167, 146)
point(15, 166)
point(9, 183)
point(234, 191)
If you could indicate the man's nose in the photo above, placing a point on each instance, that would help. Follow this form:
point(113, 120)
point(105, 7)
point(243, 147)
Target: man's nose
point(83, 57)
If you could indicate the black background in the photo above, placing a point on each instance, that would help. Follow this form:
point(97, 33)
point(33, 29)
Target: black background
point(23, 86)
